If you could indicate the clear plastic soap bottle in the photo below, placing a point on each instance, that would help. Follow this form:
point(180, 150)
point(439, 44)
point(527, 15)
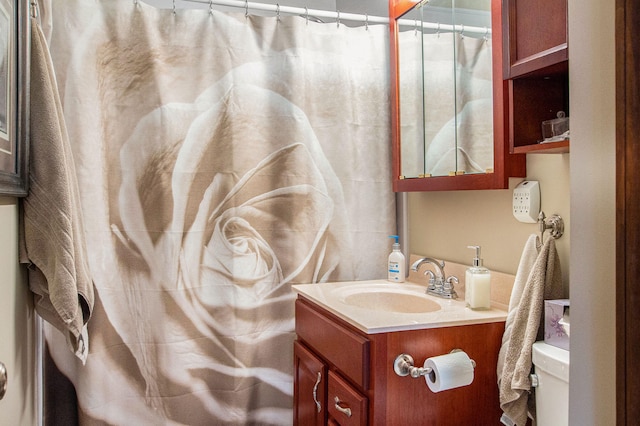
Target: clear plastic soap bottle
point(396, 267)
point(477, 284)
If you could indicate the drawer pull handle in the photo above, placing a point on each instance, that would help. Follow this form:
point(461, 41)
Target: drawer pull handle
point(3, 380)
point(315, 392)
point(345, 411)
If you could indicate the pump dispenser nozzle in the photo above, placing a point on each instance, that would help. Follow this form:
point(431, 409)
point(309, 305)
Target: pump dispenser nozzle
point(477, 260)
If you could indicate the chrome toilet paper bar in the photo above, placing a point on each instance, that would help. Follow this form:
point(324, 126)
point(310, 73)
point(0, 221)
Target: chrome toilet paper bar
point(441, 373)
point(403, 366)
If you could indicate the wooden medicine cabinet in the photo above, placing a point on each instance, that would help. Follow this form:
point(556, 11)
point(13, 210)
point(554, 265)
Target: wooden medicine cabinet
point(450, 103)
point(536, 67)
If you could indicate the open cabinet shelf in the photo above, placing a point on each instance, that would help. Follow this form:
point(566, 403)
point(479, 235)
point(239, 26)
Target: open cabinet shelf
point(546, 148)
point(533, 99)
point(536, 67)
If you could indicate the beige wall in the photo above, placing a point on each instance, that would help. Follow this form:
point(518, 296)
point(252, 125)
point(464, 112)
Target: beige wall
point(443, 224)
point(17, 347)
point(592, 105)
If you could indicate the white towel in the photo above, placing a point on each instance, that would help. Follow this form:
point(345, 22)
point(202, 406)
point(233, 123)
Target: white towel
point(544, 281)
point(52, 232)
point(527, 260)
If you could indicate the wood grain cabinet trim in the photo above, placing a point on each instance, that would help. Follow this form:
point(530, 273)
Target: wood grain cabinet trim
point(341, 347)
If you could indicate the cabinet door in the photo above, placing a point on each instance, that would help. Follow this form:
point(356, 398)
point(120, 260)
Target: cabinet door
point(505, 164)
point(535, 35)
point(309, 388)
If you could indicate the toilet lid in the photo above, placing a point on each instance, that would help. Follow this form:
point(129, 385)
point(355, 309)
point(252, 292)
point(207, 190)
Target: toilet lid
point(551, 359)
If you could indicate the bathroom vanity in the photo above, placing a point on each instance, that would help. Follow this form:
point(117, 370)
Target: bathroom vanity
point(344, 356)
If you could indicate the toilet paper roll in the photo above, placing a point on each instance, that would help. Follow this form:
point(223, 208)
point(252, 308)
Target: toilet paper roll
point(449, 371)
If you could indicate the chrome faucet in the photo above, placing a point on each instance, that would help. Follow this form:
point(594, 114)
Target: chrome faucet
point(439, 284)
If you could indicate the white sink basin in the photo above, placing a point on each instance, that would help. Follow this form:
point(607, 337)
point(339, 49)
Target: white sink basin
point(387, 297)
point(380, 306)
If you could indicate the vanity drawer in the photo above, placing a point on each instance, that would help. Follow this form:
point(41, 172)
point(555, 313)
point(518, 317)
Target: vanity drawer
point(340, 346)
point(346, 405)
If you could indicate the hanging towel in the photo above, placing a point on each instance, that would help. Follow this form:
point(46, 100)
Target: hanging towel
point(52, 233)
point(543, 282)
point(527, 260)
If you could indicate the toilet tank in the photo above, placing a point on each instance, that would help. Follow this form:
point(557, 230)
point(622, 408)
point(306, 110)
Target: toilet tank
point(551, 366)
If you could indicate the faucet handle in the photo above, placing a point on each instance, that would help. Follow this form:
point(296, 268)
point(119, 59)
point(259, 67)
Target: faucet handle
point(449, 287)
point(432, 279)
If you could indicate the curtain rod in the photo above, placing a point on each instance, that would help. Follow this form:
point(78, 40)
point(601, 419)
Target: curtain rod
point(339, 16)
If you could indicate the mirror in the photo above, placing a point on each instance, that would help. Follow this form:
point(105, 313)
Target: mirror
point(445, 88)
point(450, 129)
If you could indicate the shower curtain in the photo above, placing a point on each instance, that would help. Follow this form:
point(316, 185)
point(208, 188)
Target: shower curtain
point(221, 159)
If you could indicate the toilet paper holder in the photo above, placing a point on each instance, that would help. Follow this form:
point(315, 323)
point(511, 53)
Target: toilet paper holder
point(403, 366)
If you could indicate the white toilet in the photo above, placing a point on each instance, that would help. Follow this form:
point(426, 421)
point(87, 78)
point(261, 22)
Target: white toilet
point(551, 366)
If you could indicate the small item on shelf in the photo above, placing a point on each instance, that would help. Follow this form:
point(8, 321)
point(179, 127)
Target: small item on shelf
point(555, 130)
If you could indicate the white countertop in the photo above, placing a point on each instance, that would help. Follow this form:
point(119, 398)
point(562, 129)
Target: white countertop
point(372, 320)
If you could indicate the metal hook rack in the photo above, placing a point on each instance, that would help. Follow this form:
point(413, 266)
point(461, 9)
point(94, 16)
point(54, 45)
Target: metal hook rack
point(555, 223)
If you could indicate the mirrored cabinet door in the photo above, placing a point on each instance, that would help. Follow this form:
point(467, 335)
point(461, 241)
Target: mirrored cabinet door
point(448, 94)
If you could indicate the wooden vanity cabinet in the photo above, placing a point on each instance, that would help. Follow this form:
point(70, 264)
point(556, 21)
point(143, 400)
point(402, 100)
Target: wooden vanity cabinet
point(357, 369)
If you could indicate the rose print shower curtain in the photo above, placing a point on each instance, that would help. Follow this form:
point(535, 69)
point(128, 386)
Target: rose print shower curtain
point(221, 159)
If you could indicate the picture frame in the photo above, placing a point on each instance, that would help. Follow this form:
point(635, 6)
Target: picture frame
point(14, 97)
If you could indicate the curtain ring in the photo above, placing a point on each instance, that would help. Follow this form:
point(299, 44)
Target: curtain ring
point(278, 12)
point(486, 34)
point(415, 27)
point(210, 7)
point(306, 15)
point(461, 31)
point(438, 30)
point(174, 7)
point(338, 18)
point(246, 8)
point(34, 8)
point(366, 21)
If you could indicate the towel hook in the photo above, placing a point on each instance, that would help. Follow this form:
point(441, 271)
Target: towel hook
point(555, 223)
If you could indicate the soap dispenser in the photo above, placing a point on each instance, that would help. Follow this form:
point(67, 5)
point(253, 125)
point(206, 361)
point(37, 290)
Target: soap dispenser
point(477, 284)
point(396, 267)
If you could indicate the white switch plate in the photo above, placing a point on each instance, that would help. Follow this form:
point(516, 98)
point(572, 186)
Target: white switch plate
point(526, 201)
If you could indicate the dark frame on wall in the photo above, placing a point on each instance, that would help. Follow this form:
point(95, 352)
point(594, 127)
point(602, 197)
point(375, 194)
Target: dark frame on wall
point(627, 211)
point(14, 97)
